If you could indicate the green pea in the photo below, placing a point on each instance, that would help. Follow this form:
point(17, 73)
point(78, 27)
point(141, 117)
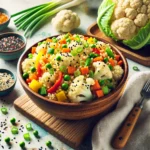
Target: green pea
point(64, 46)
point(7, 140)
point(33, 69)
point(58, 58)
point(65, 86)
point(13, 121)
point(101, 82)
point(105, 59)
point(50, 51)
point(105, 90)
point(39, 43)
point(30, 55)
point(22, 145)
point(36, 133)
point(29, 127)
point(67, 77)
point(68, 40)
point(110, 67)
point(27, 137)
point(54, 40)
point(25, 75)
point(93, 46)
point(14, 130)
point(48, 66)
point(49, 144)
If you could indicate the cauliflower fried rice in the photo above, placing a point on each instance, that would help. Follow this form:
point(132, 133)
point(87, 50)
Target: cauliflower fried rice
point(72, 68)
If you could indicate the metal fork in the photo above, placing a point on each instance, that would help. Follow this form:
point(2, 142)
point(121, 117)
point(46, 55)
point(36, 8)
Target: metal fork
point(128, 125)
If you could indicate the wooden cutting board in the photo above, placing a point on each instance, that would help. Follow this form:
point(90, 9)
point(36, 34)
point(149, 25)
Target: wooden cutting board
point(141, 56)
point(70, 132)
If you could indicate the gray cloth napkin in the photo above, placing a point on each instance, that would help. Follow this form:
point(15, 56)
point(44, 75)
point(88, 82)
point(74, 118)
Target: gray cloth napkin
point(106, 128)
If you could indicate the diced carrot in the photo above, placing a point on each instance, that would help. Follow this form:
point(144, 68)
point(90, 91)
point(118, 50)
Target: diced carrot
point(84, 70)
point(85, 37)
point(71, 70)
point(63, 41)
point(45, 60)
point(33, 76)
point(117, 57)
point(66, 50)
point(120, 62)
point(99, 93)
point(43, 51)
point(96, 86)
point(112, 62)
point(48, 40)
point(97, 59)
point(33, 50)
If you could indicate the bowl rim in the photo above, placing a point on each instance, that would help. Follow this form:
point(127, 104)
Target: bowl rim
point(125, 75)
point(18, 35)
point(12, 74)
point(7, 13)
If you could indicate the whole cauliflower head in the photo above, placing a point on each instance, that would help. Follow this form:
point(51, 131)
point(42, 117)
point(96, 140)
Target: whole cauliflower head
point(117, 73)
point(102, 71)
point(79, 89)
point(66, 20)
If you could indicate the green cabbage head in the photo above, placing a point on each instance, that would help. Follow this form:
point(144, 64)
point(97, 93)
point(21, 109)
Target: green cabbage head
point(127, 21)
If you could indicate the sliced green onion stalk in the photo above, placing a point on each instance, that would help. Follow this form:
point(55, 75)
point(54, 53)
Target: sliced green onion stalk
point(33, 18)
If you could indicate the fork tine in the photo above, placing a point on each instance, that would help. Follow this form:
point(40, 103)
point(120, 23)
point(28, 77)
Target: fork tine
point(147, 84)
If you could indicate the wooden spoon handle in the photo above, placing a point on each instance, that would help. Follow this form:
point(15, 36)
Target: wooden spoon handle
point(125, 131)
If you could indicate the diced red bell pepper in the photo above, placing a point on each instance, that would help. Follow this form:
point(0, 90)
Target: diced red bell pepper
point(57, 83)
point(39, 70)
point(96, 50)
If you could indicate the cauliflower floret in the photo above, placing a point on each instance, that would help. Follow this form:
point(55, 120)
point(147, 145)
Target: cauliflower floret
point(102, 71)
point(66, 59)
point(43, 45)
point(141, 20)
point(75, 44)
point(123, 28)
point(27, 64)
point(117, 72)
point(66, 20)
point(135, 3)
point(130, 13)
point(47, 79)
point(142, 9)
point(79, 89)
point(119, 13)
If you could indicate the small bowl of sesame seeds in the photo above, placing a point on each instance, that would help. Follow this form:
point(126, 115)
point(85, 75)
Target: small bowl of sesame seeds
point(7, 82)
point(11, 45)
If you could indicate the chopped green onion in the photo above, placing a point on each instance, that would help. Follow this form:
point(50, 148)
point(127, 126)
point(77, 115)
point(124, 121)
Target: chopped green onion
point(13, 121)
point(42, 91)
point(50, 51)
point(30, 55)
point(27, 137)
point(7, 140)
point(63, 69)
point(29, 127)
point(88, 62)
point(22, 145)
point(91, 74)
point(25, 75)
point(33, 69)
point(65, 86)
point(36, 133)
point(49, 144)
point(4, 110)
point(109, 52)
point(135, 68)
point(67, 77)
point(14, 130)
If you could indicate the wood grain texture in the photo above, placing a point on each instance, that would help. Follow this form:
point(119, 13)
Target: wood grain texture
point(126, 129)
point(141, 56)
point(71, 132)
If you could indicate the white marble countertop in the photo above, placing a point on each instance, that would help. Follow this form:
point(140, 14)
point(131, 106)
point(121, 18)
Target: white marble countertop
point(47, 30)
